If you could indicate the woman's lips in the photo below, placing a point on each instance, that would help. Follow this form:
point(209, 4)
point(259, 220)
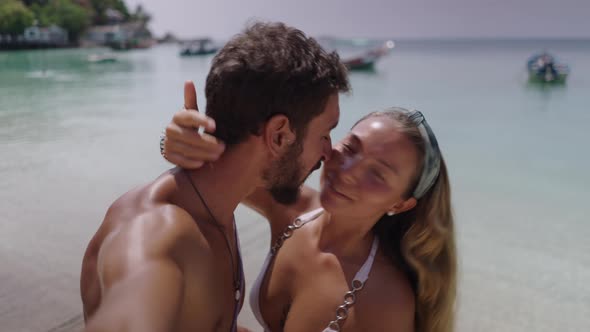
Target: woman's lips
point(338, 193)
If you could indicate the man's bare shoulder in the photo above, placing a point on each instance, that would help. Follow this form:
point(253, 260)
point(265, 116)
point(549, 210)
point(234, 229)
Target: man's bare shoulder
point(161, 232)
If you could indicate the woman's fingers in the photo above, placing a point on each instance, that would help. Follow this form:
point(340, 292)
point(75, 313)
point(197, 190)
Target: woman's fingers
point(184, 145)
point(190, 152)
point(190, 96)
point(193, 119)
point(193, 139)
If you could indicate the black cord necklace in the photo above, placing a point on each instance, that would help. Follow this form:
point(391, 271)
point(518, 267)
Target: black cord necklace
point(235, 274)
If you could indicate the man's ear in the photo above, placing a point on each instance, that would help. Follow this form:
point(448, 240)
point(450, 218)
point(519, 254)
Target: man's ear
point(277, 134)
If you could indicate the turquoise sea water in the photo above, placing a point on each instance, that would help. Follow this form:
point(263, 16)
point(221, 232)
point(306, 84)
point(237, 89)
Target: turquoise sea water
point(75, 135)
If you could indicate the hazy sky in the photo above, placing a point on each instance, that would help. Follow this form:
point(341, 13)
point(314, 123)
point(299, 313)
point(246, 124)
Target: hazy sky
point(376, 18)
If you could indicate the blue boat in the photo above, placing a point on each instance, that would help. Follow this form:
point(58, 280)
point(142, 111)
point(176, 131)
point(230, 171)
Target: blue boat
point(543, 68)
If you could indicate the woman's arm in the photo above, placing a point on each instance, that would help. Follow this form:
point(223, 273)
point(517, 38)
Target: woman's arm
point(182, 143)
point(185, 147)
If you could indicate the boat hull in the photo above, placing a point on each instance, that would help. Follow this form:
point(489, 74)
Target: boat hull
point(535, 77)
point(197, 53)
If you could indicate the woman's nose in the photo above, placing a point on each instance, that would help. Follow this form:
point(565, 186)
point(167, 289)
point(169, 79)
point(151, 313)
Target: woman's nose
point(348, 167)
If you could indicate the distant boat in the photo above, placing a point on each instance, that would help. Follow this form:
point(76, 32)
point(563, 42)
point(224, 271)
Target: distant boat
point(543, 68)
point(197, 47)
point(367, 59)
point(101, 58)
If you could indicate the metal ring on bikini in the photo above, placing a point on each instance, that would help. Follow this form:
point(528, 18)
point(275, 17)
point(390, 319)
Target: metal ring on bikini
point(357, 285)
point(341, 313)
point(288, 232)
point(297, 223)
point(349, 298)
point(334, 326)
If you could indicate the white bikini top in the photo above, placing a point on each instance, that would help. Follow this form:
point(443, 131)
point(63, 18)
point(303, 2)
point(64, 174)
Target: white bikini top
point(349, 298)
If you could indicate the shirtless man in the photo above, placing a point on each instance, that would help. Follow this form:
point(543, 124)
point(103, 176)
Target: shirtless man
point(166, 257)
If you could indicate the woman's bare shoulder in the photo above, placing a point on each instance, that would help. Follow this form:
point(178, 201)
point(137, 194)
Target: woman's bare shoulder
point(392, 299)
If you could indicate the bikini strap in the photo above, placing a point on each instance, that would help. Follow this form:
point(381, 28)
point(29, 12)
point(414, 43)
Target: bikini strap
point(288, 232)
point(363, 274)
point(357, 284)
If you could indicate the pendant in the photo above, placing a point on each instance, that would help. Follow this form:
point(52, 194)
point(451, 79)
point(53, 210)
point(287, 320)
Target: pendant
point(238, 294)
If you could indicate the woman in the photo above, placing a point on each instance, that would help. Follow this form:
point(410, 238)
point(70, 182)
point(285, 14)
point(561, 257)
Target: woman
point(374, 250)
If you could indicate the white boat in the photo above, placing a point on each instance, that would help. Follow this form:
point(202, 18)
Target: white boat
point(358, 54)
point(101, 58)
point(367, 60)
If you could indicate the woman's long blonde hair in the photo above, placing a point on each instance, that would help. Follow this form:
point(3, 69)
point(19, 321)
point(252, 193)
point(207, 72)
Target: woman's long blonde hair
point(421, 241)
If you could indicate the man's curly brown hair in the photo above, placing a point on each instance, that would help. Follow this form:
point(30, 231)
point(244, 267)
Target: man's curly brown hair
point(270, 69)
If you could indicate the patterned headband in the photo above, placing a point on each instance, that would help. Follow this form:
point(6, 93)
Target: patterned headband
point(432, 156)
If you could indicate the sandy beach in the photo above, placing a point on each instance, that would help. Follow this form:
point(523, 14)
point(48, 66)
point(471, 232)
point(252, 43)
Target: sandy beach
point(506, 284)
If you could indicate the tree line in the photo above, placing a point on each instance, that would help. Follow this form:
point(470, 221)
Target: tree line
point(75, 16)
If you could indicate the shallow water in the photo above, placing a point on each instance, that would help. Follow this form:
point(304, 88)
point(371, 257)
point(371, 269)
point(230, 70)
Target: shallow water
point(76, 135)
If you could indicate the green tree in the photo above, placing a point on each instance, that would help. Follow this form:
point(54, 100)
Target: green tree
point(70, 16)
point(121, 7)
point(64, 13)
point(35, 2)
point(41, 15)
point(141, 15)
point(100, 7)
point(14, 17)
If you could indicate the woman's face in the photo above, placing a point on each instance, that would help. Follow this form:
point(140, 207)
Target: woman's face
point(370, 170)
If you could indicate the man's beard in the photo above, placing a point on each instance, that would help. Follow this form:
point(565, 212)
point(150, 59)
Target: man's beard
point(284, 176)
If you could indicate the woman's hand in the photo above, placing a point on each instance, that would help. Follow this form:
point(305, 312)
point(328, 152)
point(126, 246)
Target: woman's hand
point(183, 145)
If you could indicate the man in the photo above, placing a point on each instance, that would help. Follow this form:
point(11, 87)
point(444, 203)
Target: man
point(166, 256)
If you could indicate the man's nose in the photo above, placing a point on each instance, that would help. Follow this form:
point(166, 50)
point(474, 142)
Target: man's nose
point(327, 149)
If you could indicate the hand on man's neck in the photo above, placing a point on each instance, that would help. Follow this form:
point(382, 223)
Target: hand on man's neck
point(227, 181)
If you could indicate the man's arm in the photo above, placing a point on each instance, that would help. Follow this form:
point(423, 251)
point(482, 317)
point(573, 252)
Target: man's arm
point(147, 298)
point(141, 284)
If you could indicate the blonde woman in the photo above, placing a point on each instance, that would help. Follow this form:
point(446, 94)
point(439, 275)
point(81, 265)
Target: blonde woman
point(373, 250)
